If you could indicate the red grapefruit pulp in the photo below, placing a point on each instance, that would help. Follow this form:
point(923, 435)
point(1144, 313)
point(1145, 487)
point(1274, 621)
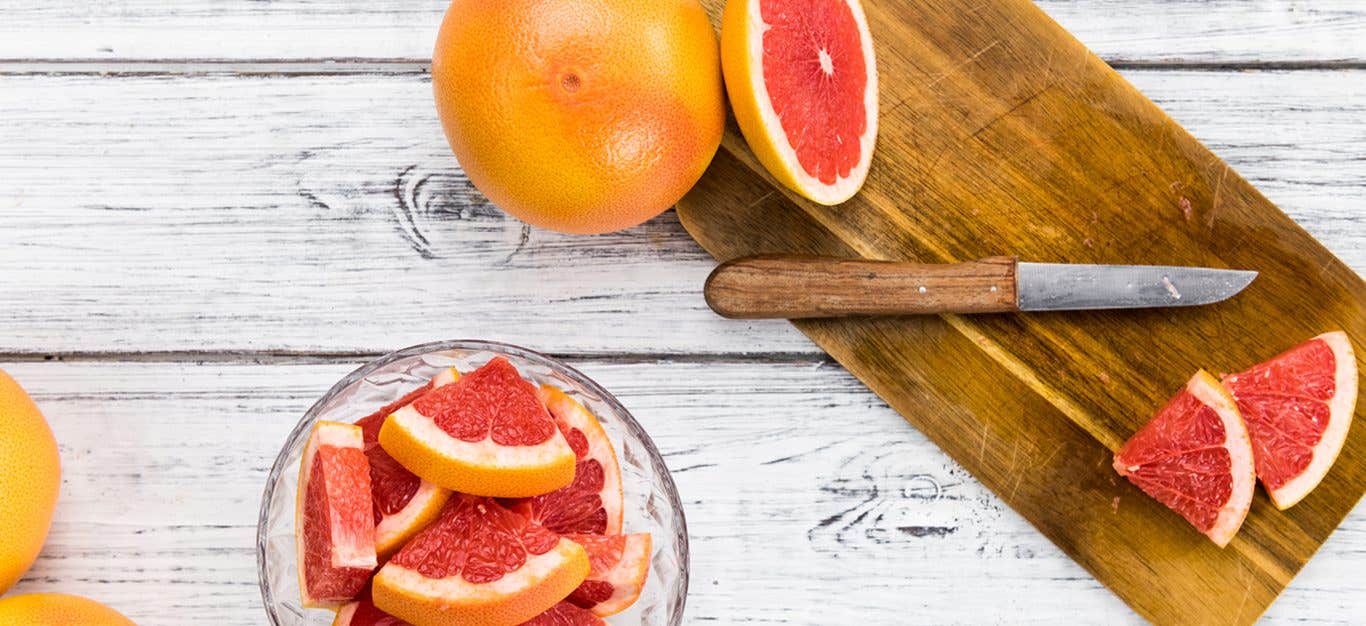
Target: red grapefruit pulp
point(333, 523)
point(1298, 407)
point(619, 565)
point(1195, 457)
point(565, 614)
point(363, 612)
point(592, 503)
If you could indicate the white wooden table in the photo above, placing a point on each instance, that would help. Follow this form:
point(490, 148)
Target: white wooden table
point(210, 210)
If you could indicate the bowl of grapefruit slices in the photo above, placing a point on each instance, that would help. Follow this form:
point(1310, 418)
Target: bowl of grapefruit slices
point(470, 482)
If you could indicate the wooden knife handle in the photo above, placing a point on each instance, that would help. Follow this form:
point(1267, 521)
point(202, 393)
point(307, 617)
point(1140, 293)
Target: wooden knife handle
point(796, 287)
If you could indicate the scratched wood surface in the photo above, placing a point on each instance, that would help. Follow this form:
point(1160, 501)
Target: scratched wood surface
point(204, 204)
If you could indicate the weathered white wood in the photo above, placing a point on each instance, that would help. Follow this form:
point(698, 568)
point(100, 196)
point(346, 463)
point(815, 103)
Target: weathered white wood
point(809, 501)
point(1144, 31)
point(325, 213)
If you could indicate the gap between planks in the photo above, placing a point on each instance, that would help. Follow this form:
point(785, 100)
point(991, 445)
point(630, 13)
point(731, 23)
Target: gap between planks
point(308, 357)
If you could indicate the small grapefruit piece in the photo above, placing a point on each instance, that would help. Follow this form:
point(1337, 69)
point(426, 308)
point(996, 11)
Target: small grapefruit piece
point(487, 434)
point(363, 612)
point(403, 503)
point(479, 563)
point(802, 82)
point(1195, 457)
point(58, 609)
point(1298, 407)
point(592, 503)
point(334, 518)
point(565, 614)
point(30, 477)
point(620, 564)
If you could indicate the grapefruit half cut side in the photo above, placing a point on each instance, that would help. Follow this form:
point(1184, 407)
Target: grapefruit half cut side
point(802, 81)
point(592, 503)
point(1298, 407)
point(334, 523)
point(565, 614)
point(479, 563)
point(1195, 457)
point(619, 566)
point(486, 434)
point(403, 502)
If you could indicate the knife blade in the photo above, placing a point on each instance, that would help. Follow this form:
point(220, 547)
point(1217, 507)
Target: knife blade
point(808, 287)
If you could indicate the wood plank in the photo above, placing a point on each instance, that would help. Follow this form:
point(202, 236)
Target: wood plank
point(251, 213)
point(799, 497)
point(1034, 147)
point(1141, 31)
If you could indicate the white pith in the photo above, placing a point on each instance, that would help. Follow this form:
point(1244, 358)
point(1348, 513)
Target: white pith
point(1211, 393)
point(844, 187)
point(1340, 410)
point(424, 429)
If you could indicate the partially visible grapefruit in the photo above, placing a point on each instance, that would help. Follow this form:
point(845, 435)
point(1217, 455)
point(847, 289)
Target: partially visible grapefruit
point(1298, 407)
point(1194, 456)
point(487, 434)
point(363, 612)
point(565, 614)
point(802, 82)
point(30, 475)
point(58, 609)
point(479, 563)
point(620, 564)
point(334, 518)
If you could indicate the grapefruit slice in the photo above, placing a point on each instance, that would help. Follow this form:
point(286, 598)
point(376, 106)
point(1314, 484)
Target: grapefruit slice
point(479, 563)
point(565, 614)
point(487, 434)
point(363, 612)
point(403, 503)
point(802, 82)
point(1195, 457)
point(620, 564)
point(335, 531)
point(592, 503)
point(1298, 407)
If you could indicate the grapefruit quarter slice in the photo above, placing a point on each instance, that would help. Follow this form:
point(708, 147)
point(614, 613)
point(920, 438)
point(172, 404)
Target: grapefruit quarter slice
point(1194, 456)
point(403, 502)
point(1298, 407)
point(479, 563)
point(565, 614)
point(487, 434)
point(619, 565)
point(802, 82)
point(334, 524)
point(363, 612)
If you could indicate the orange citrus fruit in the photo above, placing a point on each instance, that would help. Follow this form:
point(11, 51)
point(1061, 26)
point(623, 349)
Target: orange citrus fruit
point(582, 116)
point(334, 518)
point(30, 473)
point(56, 609)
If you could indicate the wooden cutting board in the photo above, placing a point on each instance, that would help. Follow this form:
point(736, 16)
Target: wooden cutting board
point(1001, 134)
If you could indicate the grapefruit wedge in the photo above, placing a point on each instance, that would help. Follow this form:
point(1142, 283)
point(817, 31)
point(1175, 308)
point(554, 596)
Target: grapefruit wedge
point(403, 502)
point(592, 503)
point(1298, 407)
point(486, 434)
point(619, 565)
point(363, 612)
point(333, 518)
point(802, 82)
point(565, 614)
point(1195, 457)
point(479, 563)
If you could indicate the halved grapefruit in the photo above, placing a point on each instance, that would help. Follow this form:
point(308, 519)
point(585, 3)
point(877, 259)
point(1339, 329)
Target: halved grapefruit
point(1195, 457)
point(334, 523)
point(565, 614)
point(802, 82)
point(403, 503)
point(479, 563)
point(1298, 407)
point(620, 564)
point(592, 503)
point(487, 434)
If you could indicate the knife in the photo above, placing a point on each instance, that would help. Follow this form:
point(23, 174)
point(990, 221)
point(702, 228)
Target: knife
point(795, 287)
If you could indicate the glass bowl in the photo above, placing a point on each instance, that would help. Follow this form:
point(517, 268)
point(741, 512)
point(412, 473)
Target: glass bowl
point(651, 502)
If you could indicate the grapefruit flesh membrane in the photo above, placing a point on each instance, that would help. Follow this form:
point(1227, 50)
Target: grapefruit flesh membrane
point(619, 565)
point(1195, 457)
point(334, 516)
point(592, 503)
point(565, 614)
point(487, 434)
point(403, 503)
point(802, 80)
point(479, 563)
point(1298, 407)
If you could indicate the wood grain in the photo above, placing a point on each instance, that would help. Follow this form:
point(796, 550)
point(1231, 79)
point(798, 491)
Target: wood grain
point(1003, 134)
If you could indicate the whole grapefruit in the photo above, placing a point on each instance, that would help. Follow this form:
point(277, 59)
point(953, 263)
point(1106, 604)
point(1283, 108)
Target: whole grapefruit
point(30, 473)
point(57, 609)
point(582, 116)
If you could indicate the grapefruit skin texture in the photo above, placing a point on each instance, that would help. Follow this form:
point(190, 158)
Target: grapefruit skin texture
point(56, 609)
point(30, 475)
point(581, 116)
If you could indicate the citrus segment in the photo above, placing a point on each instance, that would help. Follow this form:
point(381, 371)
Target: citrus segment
point(565, 614)
point(487, 434)
point(334, 517)
point(58, 609)
point(363, 612)
point(30, 475)
point(1298, 407)
point(479, 563)
point(592, 503)
point(802, 81)
point(1195, 457)
point(619, 565)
